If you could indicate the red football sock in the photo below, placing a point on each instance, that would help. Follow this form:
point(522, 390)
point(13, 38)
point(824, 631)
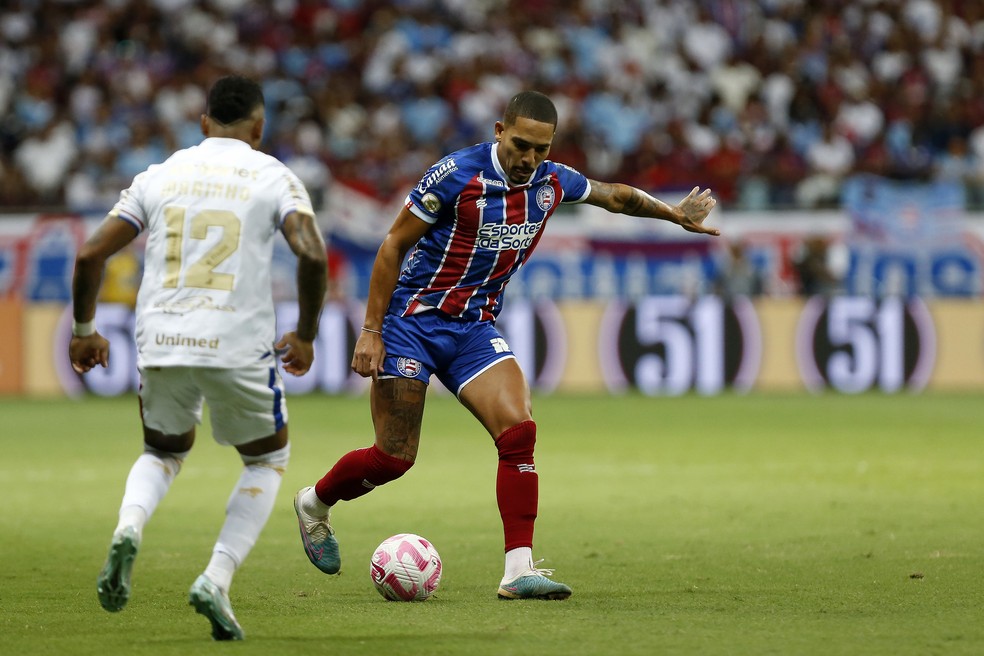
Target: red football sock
point(359, 472)
point(517, 484)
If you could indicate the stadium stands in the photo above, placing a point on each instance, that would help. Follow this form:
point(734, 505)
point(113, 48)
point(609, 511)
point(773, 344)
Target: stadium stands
point(769, 102)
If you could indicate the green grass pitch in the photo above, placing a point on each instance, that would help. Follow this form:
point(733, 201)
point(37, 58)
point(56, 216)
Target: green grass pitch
point(758, 524)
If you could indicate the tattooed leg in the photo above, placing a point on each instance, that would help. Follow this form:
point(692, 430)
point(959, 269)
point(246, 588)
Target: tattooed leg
point(397, 413)
point(397, 409)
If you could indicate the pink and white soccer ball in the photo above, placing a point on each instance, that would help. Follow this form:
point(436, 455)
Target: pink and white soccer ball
point(405, 567)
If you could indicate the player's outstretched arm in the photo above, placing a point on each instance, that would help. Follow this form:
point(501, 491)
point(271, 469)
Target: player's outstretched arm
point(88, 348)
point(689, 213)
point(305, 240)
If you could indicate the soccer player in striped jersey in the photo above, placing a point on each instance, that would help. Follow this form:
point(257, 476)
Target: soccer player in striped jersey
point(205, 329)
point(469, 225)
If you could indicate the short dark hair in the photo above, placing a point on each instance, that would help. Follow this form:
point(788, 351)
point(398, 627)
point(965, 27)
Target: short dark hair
point(530, 104)
point(233, 98)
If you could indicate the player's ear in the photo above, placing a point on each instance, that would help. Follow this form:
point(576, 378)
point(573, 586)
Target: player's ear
point(499, 128)
point(257, 132)
point(204, 125)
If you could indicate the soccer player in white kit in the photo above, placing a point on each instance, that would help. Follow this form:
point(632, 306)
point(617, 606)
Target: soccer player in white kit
point(205, 329)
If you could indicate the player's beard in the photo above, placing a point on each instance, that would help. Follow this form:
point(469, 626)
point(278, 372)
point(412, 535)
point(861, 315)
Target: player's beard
point(519, 176)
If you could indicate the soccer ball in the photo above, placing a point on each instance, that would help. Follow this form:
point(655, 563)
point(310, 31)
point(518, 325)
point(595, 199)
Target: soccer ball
point(405, 567)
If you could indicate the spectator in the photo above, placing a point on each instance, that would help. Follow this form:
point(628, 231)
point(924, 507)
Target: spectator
point(706, 42)
point(737, 276)
point(829, 160)
point(859, 118)
point(958, 164)
point(784, 170)
point(45, 157)
point(735, 81)
point(813, 268)
point(14, 190)
point(146, 147)
point(442, 70)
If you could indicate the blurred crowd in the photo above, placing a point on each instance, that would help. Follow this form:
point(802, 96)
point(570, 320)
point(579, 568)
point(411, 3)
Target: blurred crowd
point(769, 102)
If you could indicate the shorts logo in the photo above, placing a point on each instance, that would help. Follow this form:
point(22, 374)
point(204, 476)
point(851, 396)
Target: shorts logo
point(499, 345)
point(545, 197)
point(408, 367)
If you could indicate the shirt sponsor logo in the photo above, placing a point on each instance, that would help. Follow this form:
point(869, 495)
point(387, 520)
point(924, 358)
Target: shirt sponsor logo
point(190, 304)
point(186, 340)
point(408, 367)
point(491, 183)
point(545, 198)
point(438, 174)
point(507, 236)
point(202, 170)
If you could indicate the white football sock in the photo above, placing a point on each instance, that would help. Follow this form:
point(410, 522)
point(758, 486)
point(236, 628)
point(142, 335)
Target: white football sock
point(134, 516)
point(220, 570)
point(149, 480)
point(518, 561)
point(312, 505)
point(248, 509)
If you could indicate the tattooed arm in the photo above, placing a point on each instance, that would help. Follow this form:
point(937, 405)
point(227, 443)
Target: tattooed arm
point(689, 213)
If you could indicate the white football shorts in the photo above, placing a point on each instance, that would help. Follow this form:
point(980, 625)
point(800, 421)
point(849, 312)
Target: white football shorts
point(245, 403)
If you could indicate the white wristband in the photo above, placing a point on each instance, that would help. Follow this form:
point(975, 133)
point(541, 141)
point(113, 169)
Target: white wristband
point(83, 329)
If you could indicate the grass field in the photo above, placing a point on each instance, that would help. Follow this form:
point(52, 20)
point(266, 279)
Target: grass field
point(729, 525)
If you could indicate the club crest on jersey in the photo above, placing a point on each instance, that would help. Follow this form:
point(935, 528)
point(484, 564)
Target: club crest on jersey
point(430, 202)
point(408, 367)
point(545, 197)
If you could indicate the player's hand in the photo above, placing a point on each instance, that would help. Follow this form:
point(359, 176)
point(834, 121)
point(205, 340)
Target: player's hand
point(693, 209)
point(367, 360)
point(298, 354)
point(86, 352)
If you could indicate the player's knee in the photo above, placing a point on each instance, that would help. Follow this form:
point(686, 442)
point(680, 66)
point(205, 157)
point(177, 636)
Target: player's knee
point(168, 442)
point(385, 468)
point(171, 461)
point(517, 443)
point(275, 460)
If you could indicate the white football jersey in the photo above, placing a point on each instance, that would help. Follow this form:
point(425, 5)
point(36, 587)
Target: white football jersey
point(211, 213)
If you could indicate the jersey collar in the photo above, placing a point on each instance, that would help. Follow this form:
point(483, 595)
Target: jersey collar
point(226, 142)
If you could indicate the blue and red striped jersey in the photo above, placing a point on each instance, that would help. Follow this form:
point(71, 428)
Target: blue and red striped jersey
point(483, 230)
